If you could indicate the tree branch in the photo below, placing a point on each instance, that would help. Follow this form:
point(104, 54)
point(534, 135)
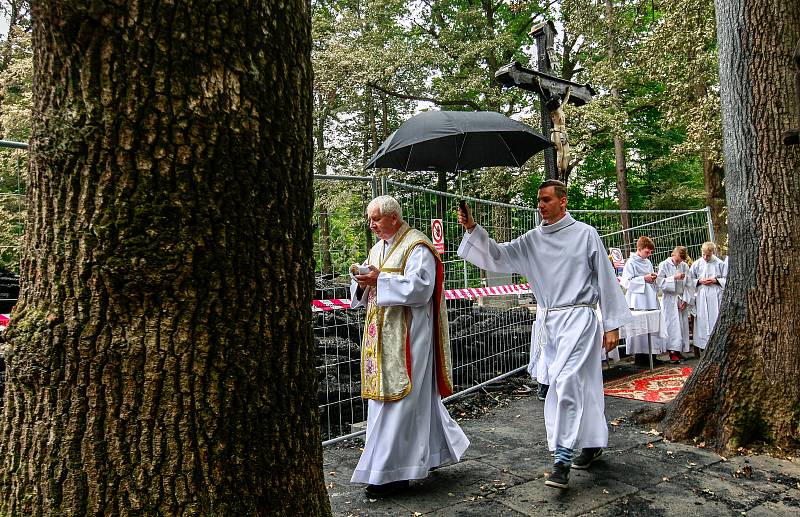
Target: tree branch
point(438, 102)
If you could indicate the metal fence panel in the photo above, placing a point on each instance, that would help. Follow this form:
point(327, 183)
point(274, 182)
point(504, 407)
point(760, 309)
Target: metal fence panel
point(490, 335)
point(341, 237)
point(667, 229)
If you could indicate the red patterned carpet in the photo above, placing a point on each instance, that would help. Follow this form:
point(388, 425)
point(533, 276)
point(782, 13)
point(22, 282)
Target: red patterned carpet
point(660, 385)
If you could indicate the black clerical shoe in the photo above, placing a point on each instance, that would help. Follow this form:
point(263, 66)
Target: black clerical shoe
point(541, 394)
point(387, 489)
point(559, 476)
point(587, 456)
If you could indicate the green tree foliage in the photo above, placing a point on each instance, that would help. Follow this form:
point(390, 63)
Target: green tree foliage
point(16, 70)
point(378, 62)
point(662, 153)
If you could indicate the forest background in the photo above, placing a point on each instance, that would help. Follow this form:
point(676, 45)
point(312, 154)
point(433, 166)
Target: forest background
point(650, 140)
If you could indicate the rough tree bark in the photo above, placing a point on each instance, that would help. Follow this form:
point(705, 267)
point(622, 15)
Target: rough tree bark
point(160, 359)
point(745, 389)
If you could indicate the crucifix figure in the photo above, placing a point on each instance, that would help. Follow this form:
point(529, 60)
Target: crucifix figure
point(553, 93)
point(558, 133)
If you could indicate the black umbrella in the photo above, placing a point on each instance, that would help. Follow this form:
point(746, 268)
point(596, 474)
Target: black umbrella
point(457, 141)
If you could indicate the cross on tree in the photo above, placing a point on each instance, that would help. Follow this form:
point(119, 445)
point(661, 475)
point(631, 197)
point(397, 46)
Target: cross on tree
point(553, 93)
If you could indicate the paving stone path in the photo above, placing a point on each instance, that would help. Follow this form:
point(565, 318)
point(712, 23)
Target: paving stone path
point(503, 471)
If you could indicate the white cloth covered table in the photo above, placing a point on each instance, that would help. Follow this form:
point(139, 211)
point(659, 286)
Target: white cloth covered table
point(643, 322)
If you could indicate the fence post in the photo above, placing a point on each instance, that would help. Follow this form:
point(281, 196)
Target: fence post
point(384, 186)
point(710, 224)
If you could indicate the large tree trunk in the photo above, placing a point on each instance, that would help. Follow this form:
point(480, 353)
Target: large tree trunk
point(745, 389)
point(619, 146)
point(713, 176)
point(160, 360)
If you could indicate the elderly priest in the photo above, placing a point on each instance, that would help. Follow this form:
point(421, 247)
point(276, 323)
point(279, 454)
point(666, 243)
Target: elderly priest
point(405, 356)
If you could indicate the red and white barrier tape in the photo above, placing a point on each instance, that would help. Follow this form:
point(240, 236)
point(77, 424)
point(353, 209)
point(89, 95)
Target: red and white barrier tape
point(330, 305)
point(452, 294)
point(478, 292)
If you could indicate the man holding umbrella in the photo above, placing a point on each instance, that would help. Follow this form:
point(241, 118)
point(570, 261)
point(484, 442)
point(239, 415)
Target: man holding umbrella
point(568, 270)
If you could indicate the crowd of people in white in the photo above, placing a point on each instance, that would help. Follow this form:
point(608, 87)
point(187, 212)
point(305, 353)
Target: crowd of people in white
point(688, 290)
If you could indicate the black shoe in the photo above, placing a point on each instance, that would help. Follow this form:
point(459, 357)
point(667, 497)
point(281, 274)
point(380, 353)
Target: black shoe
point(587, 456)
point(542, 393)
point(559, 476)
point(387, 489)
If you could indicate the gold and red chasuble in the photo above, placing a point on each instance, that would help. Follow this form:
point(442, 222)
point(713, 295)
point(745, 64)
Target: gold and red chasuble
point(386, 349)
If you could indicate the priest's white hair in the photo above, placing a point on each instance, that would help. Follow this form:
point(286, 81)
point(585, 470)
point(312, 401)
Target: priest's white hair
point(386, 205)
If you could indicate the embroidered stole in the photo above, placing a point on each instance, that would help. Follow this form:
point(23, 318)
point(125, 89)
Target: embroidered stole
point(386, 348)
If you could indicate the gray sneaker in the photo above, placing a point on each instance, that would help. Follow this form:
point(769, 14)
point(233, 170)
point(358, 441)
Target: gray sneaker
point(587, 457)
point(559, 476)
point(542, 393)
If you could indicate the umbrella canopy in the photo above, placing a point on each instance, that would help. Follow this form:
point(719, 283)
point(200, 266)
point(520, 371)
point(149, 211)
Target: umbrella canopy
point(457, 141)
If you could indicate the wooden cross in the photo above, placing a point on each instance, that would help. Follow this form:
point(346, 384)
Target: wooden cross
point(553, 93)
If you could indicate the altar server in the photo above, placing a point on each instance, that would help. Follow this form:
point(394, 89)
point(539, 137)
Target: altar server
point(639, 280)
point(710, 274)
point(568, 270)
point(677, 291)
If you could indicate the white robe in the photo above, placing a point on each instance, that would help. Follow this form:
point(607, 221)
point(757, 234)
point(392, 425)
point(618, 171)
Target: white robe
point(708, 297)
point(641, 296)
point(566, 265)
point(674, 291)
point(406, 438)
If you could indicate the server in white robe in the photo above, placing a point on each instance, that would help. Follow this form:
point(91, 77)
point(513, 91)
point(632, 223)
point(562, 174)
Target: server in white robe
point(709, 274)
point(568, 270)
point(677, 291)
point(639, 280)
point(409, 431)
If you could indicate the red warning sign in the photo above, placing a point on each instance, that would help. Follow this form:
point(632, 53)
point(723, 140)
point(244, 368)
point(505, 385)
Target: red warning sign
point(437, 235)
